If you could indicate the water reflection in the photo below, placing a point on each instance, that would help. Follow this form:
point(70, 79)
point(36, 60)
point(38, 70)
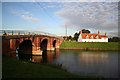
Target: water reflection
point(95, 63)
point(37, 59)
point(46, 57)
point(93, 58)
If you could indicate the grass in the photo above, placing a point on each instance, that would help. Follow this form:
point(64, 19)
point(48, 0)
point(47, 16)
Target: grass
point(12, 68)
point(90, 45)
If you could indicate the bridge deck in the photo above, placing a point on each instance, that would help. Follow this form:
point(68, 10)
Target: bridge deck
point(25, 36)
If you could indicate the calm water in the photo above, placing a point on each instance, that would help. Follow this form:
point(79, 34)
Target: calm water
point(93, 63)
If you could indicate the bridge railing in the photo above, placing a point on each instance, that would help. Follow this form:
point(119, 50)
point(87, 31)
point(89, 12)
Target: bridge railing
point(23, 32)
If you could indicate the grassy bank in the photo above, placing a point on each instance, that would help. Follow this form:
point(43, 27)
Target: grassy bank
point(12, 68)
point(90, 45)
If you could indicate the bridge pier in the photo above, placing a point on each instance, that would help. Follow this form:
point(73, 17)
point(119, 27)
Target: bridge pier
point(36, 51)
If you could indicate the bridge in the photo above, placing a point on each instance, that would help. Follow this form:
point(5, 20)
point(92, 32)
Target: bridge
point(29, 43)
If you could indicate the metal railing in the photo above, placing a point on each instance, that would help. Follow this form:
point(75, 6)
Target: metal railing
point(24, 32)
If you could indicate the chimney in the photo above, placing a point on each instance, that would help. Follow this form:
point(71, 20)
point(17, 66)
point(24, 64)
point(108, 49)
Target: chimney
point(105, 33)
point(81, 32)
point(98, 32)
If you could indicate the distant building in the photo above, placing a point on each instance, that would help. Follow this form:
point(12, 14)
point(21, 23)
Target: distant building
point(87, 37)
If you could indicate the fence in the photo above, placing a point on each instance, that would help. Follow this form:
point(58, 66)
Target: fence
point(23, 32)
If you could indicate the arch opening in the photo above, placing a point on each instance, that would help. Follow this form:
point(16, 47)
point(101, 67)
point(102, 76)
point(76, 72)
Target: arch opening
point(25, 50)
point(43, 45)
point(54, 43)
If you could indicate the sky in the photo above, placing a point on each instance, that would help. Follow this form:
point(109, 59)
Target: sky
point(53, 17)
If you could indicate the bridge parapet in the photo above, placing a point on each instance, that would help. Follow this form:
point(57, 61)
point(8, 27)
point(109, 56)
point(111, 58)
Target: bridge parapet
point(25, 33)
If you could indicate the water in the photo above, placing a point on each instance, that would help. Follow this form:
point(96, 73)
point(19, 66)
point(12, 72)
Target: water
point(91, 63)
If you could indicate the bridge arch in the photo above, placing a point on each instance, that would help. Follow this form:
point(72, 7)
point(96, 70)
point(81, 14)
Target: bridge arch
point(54, 43)
point(43, 44)
point(25, 49)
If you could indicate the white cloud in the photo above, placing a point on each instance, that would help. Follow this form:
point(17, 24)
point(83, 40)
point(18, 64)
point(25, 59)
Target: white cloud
point(33, 19)
point(25, 15)
point(94, 16)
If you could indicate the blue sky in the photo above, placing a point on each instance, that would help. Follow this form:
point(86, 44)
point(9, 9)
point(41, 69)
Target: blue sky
point(31, 16)
point(52, 17)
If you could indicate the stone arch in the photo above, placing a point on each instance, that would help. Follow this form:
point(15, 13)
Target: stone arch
point(25, 50)
point(44, 38)
point(54, 43)
point(25, 47)
point(43, 44)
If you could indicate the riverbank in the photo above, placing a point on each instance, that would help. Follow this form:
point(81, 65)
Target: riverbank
point(90, 45)
point(13, 68)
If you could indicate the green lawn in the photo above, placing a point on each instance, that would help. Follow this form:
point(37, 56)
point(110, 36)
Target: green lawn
point(94, 45)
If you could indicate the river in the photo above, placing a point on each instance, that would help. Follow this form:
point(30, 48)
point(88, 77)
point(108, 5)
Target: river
point(87, 63)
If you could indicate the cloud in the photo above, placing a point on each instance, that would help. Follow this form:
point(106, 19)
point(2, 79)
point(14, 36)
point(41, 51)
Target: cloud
point(25, 15)
point(111, 34)
point(101, 16)
point(30, 18)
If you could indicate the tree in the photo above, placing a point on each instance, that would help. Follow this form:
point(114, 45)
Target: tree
point(4, 33)
point(114, 39)
point(85, 31)
point(64, 37)
point(69, 38)
point(76, 35)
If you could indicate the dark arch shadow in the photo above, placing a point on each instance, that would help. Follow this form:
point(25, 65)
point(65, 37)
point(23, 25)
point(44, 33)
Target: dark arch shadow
point(43, 45)
point(25, 50)
point(54, 43)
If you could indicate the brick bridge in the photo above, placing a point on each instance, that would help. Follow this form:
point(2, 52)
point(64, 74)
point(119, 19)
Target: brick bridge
point(29, 44)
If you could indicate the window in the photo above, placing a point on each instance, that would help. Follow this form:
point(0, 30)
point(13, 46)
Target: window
point(87, 37)
point(97, 37)
point(91, 37)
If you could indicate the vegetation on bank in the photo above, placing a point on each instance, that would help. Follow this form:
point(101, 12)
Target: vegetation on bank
point(12, 68)
point(90, 45)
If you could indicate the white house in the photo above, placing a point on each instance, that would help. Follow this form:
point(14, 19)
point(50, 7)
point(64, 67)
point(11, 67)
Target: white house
point(87, 37)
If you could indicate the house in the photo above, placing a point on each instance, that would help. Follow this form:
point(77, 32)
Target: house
point(87, 37)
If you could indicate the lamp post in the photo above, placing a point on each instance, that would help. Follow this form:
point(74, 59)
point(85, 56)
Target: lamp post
point(66, 31)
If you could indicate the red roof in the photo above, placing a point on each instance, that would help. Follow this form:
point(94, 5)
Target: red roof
point(93, 36)
point(104, 36)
